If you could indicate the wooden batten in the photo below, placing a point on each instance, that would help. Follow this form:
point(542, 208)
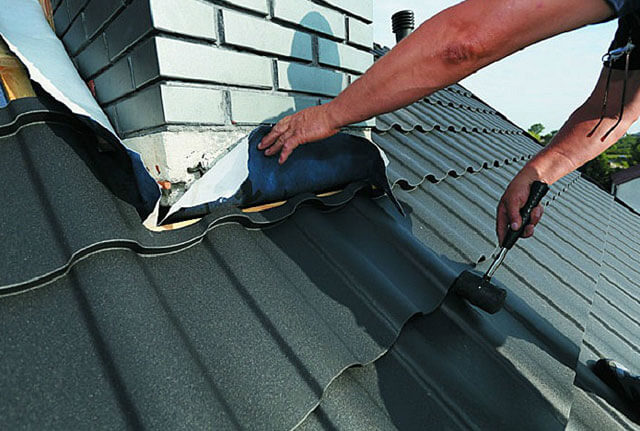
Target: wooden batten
point(13, 75)
point(48, 12)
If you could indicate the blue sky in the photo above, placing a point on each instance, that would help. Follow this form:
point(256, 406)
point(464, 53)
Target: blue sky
point(541, 84)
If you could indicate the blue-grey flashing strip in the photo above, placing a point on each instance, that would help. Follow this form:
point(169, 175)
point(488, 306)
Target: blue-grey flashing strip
point(323, 166)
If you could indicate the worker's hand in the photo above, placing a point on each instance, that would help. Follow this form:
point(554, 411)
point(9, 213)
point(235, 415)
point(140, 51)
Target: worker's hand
point(308, 125)
point(513, 199)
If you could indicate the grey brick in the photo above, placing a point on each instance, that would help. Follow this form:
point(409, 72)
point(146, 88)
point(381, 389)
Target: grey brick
point(98, 12)
point(193, 105)
point(188, 17)
point(114, 82)
point(360, 8)
point(188, 60)
point(61, 19)
point(255, 5)
point(344, 56)
point(74, 7)
point(75, 37)
point(128, 27)
point(258, 108)
point(360, 33)
point(144, 60)
point(113, 117)
point(93, 58)
point(141, 111)
point(164, 104)
point(265, 36)
point(308, 79)
point(311, 15)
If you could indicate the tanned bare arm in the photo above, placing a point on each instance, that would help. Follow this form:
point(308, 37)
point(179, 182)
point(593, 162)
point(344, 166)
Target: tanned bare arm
point(572, 147)
point(448, 47)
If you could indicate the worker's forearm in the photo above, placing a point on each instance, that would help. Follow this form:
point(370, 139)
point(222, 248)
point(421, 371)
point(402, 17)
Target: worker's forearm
point(454, 44)
point(572, 147)
point(411, 71)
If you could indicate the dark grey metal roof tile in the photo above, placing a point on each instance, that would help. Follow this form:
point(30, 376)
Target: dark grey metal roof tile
point(552, 290)
point(45, 163)
point(54, 372)
point(436, 154)
point(456, 100)
point(221, 326)
point(443, 362)
point(457, 88)
point(420, 117)
point(590, 413)
point(211, 317)
point(451, 111)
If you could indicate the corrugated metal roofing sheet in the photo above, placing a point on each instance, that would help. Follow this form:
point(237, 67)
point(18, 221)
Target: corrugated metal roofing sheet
point(248, 320)
point(245, 328)
point(613, 326)
point(552, 292)
point(434, 156)
point(560, 298)
point(454, 362)
point(422, 117)
point(214, 325)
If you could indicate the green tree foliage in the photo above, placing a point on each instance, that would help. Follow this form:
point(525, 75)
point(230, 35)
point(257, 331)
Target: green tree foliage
point(635, 154)
point(536, 130)
point(545, 139)
point(621, 155)
point(599, 171)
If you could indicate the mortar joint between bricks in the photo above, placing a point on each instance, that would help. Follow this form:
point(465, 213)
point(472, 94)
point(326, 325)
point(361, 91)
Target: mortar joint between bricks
point(131, 71)
point(276, 79)
point(271, 7)
point(220, 23)
point(226, 100)
point(347, 34)
point(315, 51)
point(84, 25)
point(344, 11)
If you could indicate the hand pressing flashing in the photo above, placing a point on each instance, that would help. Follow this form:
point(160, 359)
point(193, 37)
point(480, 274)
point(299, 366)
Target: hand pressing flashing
point(309, 125)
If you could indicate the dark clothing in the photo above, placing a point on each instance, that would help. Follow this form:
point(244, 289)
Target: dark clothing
point(628, 13)
point(624, 7)
point(628, 29)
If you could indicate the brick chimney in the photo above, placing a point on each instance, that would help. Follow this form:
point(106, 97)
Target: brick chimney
point(183, 80)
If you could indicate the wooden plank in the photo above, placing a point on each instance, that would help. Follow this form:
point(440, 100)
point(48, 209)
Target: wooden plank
point(13, 75)
point(257, 209)
point(48, 12)
point(277, 204)
point(174, 226)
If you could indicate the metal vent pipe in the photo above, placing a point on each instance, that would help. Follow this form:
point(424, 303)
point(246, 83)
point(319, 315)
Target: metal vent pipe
point(403, 23)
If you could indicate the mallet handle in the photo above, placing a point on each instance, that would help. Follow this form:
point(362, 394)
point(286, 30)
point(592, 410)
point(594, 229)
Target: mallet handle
point(537, 192)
